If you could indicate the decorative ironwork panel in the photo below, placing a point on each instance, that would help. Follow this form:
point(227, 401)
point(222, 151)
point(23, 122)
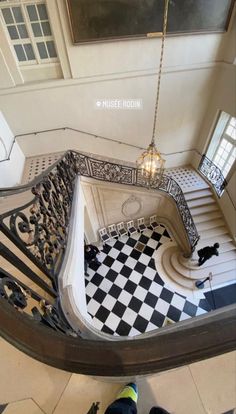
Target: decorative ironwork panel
point(103, 170)
point(213, 175)
point(39, 228)
point(17, 294)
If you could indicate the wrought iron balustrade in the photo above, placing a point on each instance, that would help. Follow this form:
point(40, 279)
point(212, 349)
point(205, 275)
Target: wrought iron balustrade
point(39, 230)
point(213, 175)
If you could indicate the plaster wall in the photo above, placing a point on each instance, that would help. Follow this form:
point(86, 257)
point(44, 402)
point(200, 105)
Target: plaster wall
point(180, 114)
point(11, 170)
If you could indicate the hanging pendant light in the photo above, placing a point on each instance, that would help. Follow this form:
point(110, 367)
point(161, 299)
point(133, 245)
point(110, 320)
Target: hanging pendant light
point(150, 161)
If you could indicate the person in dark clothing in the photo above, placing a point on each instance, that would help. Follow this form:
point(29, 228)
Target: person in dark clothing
point(207, 252)
point(126, 402)
point(90, 255)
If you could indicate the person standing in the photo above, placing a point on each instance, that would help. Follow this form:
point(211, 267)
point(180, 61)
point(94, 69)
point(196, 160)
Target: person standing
point(207, 252)
point(90, 255)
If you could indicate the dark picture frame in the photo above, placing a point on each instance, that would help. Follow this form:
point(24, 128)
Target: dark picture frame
point(109, 20)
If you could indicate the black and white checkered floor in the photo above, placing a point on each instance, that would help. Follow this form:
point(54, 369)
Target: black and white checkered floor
point(126, 296)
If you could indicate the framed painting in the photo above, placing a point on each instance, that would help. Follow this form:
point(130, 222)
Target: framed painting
point(104, 20)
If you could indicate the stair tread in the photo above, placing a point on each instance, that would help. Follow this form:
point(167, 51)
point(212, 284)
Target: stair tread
point(210, 224)
point(215, 232)
point(174, 274)
point(201, 202)
point(204, 209)
point(201, 218)
point(223, 238)
point(196, 272)
point(224, 247)
point(197, 194)
point(203, 186)
point(222, 258)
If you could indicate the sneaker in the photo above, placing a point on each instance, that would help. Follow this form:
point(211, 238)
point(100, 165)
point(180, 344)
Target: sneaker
point(86, 274)
point(129, 391)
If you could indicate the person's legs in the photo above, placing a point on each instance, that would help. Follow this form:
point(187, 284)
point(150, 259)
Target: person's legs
point(126, 401)
point(86, 268)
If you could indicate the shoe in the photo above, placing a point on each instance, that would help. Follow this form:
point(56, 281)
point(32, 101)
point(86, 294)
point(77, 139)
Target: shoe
point(86, 274)
point(158, 410)
point(129, 391)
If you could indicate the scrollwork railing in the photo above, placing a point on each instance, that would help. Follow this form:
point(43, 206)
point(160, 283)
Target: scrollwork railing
point(213, 175)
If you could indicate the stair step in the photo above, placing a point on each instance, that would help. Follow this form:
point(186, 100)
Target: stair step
point(201, 218)
point(201, 202)
point(173, 273)
point(210, 224)
point(196, 272)
point(193, 195)
point(204, 209)
point(222, 258)
point(227, 247)
point(193, 188)
point(225, 277)
point(223, 238)
point(215, 232)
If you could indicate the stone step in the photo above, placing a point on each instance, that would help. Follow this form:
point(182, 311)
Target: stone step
point(199, 272)
point(222, 258)
point(193, 188)
point(225, 277)
point(173, 273)
point(193, 195)
point(210, 224)
point(169, 275)
point(213, 233)
point(195, 211)
point(201, 202)
point(226, 247)
point(201, 218)
point(223, 238)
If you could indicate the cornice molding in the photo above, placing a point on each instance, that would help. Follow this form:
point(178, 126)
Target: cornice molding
point(60, 83)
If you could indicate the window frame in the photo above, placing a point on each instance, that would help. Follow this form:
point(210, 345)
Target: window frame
point(219, 134)
point(31, 39)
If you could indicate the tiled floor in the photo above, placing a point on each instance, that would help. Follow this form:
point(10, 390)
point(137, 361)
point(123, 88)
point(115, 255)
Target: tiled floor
point(126, 296)
point(30, 387)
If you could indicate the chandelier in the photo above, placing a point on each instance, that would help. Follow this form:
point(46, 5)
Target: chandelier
point(150, 161)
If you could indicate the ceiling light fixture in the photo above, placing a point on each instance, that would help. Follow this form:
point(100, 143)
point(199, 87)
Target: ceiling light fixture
point(150, 161)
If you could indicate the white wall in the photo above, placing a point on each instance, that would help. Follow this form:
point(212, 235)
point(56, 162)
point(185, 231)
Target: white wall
point(11, 167)
point(11, 170)
point(182, 107)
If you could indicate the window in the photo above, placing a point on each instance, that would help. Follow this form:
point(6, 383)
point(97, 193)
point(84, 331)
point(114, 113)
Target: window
point(30, 32)
point(222, 150)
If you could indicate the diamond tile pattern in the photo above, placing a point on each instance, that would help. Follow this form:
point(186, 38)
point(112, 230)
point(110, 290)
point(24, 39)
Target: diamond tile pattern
point(126, 296)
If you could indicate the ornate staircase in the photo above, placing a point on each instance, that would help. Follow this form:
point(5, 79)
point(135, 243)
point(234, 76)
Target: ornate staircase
point(212, 228)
